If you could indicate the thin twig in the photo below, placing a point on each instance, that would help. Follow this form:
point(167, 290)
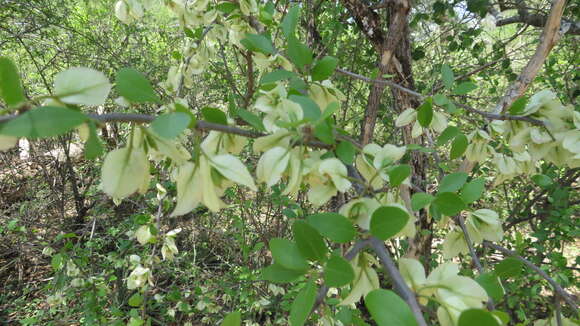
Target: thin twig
point(557, 288)
point(487, 115)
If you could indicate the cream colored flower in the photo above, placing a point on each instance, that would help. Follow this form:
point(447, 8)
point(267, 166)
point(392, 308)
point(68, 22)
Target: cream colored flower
point(124, 171)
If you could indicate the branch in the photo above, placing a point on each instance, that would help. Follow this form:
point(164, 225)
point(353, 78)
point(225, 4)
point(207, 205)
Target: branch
point(488, 115)
point(473, 254)
point(557, 288)
point(537, 20)
point(200, 125)
point(356, 248)
point(398, 281)
point(548, 39)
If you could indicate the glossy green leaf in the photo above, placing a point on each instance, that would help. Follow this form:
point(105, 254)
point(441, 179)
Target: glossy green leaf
point(232, 319)
point(398, 174)
point(477, 317)
point(309, 107)
point(464, 88)
point(302, 305)
point(135, 87)
point(11, 90)
point(453, 182)
point(425, 113)
point(251, 118)
point(324, 68)
point(169, 125)
point(387, 221)
point(277, 274)
point(346, 151)
point(290, 21)
point(333, 226)
point(338, 272)
point(449, 203)
point(388, 309)
point(492, 285)
point(309, 241)
point(286, 254)
point(509, 267)
point(214, 115)
point(473, 190)
point(458, 146)
point(43, 122)
point(447, 76)
point(298, 53)
point(448, 134)
point(420, 200)
point(258, 43)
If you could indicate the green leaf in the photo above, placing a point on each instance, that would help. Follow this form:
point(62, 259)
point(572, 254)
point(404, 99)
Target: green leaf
point(509, 267)
point(388, 309)
point(170, 125)
point(298, 53)
point(387, 221)
point(329, 110)
point(227, 7)
point(302, 305)
point(447, 76)
point(345, 151)
point(214, 115)
point(447, 134)
point(453, 182)
point(338, 272)
point(135, 87)
point(492, 285)
point(277, 274)
point(324, 68)
point(425, 113)
point(477, 317)
point(290, 21)
point(398, 174)
point(473, 190)
point(183, 109)
point(458, 146)
point(258, 43)
point(11, 90)
point(135, 300)
point(251, 118)
point(542, 180)
point(57, 262)
point(518, 106)
point(81, 85)
point(420, 200)
point(440, 99)
point(43, 122)
point(333, 226)
point(464, 88)
point(93, 145)
point(276, 75)
point(309, 241)
point(323, 131)
point(232, 319)
point(287, 255)
point(449, 203)
point(309, 107)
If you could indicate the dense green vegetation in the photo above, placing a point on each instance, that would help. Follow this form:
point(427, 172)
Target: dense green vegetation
point(247, 162)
